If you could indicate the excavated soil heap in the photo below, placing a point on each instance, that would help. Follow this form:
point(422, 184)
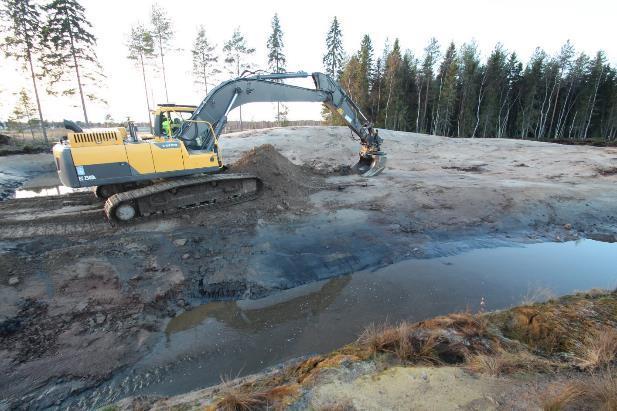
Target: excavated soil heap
point(285, 183)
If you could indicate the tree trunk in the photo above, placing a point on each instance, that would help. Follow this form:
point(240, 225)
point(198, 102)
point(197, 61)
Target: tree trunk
point(81, 91)
point(475, 129)
point(143, 72)
point(593, 102)
point(428, 83)
point(238, 74)
point(163, 67)
point(388, 103)
point(436, 127)
point(560, 118)
point(205, 68)
point(550, 125)
point(419, 105)
point(36, 95)
point(278, 104)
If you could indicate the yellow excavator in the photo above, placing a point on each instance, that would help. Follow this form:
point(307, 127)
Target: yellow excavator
point(179, 165)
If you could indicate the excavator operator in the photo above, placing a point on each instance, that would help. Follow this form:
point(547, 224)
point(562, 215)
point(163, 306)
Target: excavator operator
point(166, 125)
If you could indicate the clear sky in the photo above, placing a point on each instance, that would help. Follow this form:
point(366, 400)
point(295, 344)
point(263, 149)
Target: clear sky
point(520, 26)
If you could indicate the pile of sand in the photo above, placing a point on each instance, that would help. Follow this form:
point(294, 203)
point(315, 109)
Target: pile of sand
point(290, 184)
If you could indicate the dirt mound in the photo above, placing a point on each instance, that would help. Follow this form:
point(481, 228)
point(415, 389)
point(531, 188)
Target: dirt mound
point(287, 183)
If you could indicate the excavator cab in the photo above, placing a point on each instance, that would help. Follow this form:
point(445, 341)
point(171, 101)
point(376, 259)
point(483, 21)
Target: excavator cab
point(175, 114)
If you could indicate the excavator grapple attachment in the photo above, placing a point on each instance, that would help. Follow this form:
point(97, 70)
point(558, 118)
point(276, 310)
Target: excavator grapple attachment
point(371, 165)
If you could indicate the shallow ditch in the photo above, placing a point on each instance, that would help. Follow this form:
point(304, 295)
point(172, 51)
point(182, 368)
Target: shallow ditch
point(233, 338)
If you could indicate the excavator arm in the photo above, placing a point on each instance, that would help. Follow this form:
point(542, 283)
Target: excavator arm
point(201, 131)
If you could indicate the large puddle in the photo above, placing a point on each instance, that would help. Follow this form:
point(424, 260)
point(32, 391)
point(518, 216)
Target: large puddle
point(229, 339)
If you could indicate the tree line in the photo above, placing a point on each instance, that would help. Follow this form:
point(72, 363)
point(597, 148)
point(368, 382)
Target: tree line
point(451, 92)
point(147, 43)
point(569, 96)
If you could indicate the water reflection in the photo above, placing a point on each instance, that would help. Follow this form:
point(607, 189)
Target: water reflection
point(47, 191)
point(253, 315)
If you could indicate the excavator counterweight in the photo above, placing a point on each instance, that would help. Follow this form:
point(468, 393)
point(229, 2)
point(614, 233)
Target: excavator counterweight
point(177, 166)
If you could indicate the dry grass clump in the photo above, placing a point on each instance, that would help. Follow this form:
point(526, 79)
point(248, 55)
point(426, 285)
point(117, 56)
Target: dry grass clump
point(537, 295)
point(599, 349)
point(241, 401)
point(566, 396)
point(558, 326)
point(403, 341)
point(448, 339)
point(246, 399)
point(602, 390)
point(465, 324)
point(504, 363)
point(597, 392)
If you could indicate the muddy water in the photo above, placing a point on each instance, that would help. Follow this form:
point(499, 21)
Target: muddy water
point(227, 339)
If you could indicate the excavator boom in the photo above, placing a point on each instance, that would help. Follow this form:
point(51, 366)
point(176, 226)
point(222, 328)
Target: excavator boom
point(208, 120)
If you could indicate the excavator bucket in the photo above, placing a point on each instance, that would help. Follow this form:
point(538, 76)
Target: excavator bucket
point(370, 166)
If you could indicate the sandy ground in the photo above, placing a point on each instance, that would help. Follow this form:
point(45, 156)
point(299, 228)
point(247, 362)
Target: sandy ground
point(80, 299)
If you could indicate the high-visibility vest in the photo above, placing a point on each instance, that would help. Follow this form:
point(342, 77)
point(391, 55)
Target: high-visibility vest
point(166, 128)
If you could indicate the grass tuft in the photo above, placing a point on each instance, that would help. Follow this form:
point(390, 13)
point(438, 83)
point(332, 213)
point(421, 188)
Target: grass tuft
point(566, 396)
point(602, 390)
point(598, 350)
point(504, 363)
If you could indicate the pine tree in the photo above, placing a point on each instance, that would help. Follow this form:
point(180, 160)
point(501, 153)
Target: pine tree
point(335, 54)
point(392, 80)
point(24, 111)
point(71, 47)
point(431, 54)
point(141, 49)
point(495, 79)
point(468, 84)
point(276, 56)
point(531, 86)
point(365, 55)
point(204, 58)
point(22, 40)
point(163, 33)
point(447, 91)
point(275, 45)
point(237, 52)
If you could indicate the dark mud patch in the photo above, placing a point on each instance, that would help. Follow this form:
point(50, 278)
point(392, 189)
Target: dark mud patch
point(476, 168)
point(603, 237)
point(7, 150)
point(607, 171)
point(325, 169)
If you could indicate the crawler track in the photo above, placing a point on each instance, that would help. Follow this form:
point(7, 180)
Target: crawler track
point(219, 190)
